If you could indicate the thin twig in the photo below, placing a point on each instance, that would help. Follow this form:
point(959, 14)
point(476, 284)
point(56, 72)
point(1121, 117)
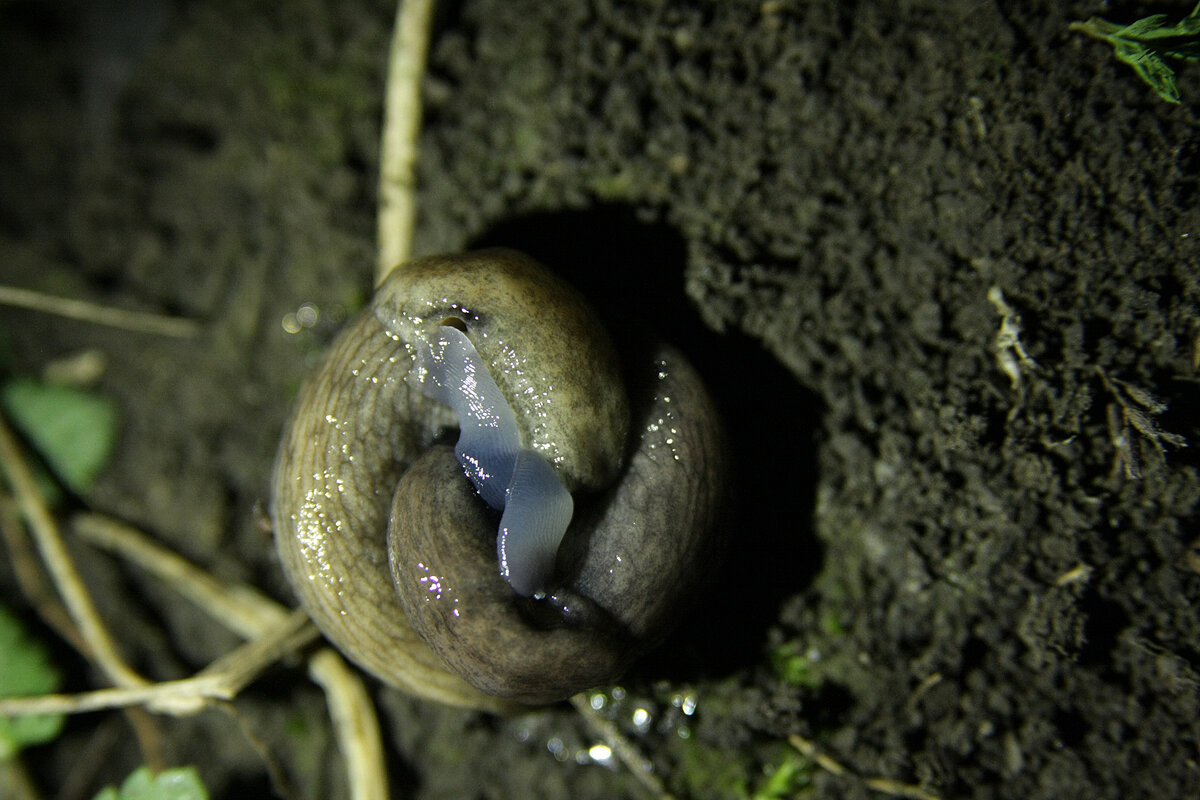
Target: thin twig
point(177, 698)
point(221, 680)
point(249, 613)
point(354, 722)
point(242, 609)
point(58, 562)
point(139, 321)
point(896, 789)
point(884, 785)
point(80, 778)
point(238, 668)
point(32, 580)
point(145, 728)
point(401, 127)
point(282, 785)
point(35, 585)
point(625, 751)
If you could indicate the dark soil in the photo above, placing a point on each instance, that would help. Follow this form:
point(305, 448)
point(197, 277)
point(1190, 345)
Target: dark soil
point(947, 571)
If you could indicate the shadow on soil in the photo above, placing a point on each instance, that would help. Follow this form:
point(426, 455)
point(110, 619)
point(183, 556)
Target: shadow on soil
point(633, 273)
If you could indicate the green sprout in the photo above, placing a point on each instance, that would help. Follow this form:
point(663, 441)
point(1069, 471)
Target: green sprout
point(182, 783)
point(785, 779)
point(1143, 45)
point(792, 666)
point(74, 430)
point(25, 669)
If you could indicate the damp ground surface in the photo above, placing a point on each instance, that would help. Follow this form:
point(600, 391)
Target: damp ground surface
point(938, 261)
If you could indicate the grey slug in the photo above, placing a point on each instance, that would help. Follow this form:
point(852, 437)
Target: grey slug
point(555, 542)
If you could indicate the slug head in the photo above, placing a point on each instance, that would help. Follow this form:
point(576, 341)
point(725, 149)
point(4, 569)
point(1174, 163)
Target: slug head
point(542, 344)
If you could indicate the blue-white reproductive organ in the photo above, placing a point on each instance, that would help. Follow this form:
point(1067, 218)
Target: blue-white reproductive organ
point(517, 480)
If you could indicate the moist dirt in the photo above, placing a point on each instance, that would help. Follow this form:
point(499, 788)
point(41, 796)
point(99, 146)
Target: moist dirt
point(937, 260)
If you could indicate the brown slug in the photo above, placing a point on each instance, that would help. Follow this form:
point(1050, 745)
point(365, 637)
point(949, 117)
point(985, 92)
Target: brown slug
point(561, 537)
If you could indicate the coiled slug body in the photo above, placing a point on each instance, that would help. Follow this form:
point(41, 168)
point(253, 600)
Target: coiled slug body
point(394, 553)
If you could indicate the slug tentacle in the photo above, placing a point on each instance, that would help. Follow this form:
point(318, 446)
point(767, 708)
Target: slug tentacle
point(405, 565)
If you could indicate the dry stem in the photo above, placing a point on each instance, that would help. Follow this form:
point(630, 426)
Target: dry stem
point(274, 630)
point(139, 321)
point(625, 751)
point(249, 613)
point(62, 570)
point(401, 127)
point(884, 785)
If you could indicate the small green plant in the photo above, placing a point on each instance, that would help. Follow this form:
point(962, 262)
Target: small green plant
point(25, 669)
point(172, 784)
point(793, 666)
point(74, 430)
point(1144, 44)
point(784, 779)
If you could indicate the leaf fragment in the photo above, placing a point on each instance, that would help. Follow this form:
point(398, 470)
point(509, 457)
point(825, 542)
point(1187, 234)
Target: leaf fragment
point(1144, 43)
point(25, 669)
point(181, 783)
point(74, 430)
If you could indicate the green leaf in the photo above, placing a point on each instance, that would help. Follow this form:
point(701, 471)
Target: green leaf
point(1144, 43)
point(1152, 69)
point(25, 669)
point(786, 778)
point(74, 430)
point(182, 783)
point(793, 667)
point(1187, 51)
point(1143, 28)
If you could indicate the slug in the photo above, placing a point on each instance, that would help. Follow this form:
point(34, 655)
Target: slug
point(552, 544)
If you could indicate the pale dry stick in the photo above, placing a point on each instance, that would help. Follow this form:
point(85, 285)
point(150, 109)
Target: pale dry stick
point(139, 321)
point(809, 750)
point(182, 696)
point(883, 785)
point(242, 609)
point(401, 127)
point(31, 580)
point(354, 721)
point(36, 587)
point(930, 681)
point(221, 680)
point(275, 631)
point(249, 613)
point(62, 570)
point(238, 668)
point(624, 750)
point(896, 789)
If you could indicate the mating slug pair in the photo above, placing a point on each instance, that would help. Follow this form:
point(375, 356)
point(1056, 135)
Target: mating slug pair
point(478, 593)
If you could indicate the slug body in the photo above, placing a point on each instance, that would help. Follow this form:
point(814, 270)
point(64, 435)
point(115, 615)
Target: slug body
point(553, 544)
